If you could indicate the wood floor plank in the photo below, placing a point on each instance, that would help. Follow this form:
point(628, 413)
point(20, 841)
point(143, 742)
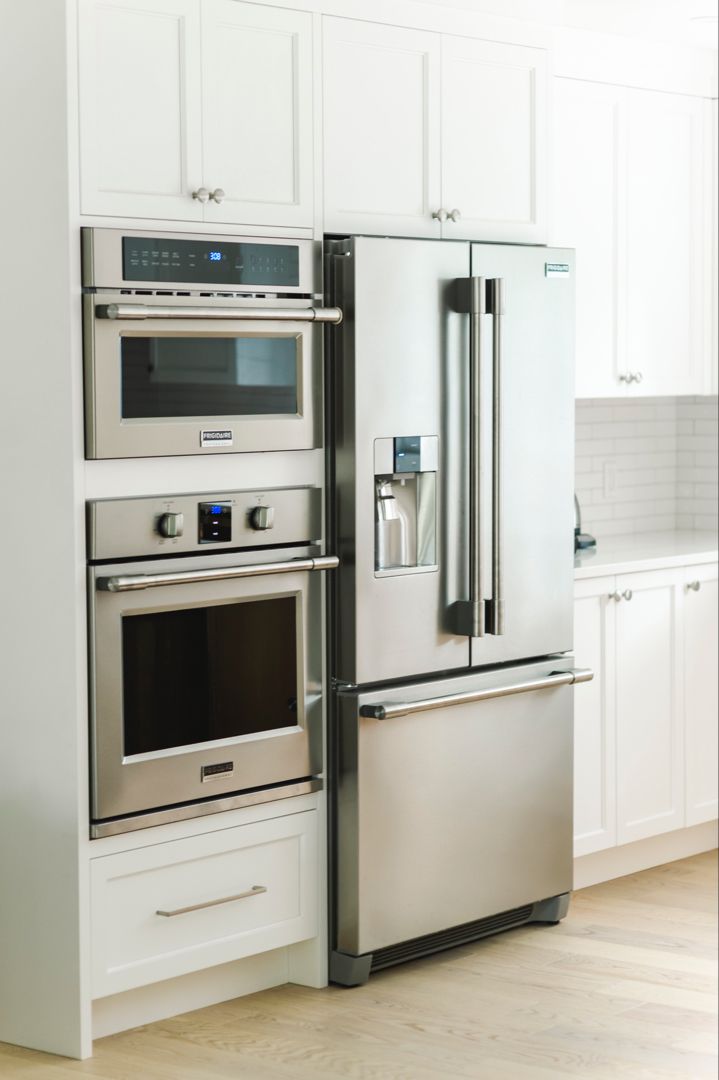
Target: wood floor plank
point(624, 987)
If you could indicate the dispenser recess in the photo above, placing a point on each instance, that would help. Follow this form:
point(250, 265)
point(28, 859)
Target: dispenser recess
point(405, 495)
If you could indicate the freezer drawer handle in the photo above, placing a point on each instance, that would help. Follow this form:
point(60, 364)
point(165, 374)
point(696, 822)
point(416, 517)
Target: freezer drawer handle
point(254, 891)
point(267, 314)
point(556, 678)
point(131, 582)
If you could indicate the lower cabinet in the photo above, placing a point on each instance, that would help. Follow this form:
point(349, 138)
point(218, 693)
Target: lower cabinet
point(169, 909)
point(646, 727)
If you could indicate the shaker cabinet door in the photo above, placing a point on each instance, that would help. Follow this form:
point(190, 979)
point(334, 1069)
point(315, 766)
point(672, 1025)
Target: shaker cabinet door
point(257, 114)
point(701, 646)
point(665, 243)
point(587, 214)
point(650, 771)
point(381, 129)
point(595, 770)
point(140, 108)
point(493, 140)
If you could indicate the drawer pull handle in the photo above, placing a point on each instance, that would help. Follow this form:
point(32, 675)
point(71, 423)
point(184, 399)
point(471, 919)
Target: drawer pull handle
point(254, 891)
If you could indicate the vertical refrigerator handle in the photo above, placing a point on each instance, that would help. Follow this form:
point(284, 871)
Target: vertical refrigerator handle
point(495, 305)
point(477, 296)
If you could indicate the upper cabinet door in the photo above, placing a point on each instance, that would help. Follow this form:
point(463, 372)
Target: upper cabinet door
point(664, 286)
point(493, 140)
point(257, 114)
point(140, 108)
point(587, 214)
point(381, 129)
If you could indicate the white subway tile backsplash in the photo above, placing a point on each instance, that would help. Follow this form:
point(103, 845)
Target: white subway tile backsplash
point(663, 458)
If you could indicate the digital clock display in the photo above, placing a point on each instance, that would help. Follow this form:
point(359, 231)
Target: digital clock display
point(190, 262)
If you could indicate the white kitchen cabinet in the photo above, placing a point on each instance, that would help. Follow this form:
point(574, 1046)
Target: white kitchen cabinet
point(388, 92)
point(196, 110)
point(494, 140)
point(588, 214)
point(595, 810)
point(665, 237)
point(169, 909)
point(700, 602)
point(646, 726)
point(627, 192)
point(650, 768)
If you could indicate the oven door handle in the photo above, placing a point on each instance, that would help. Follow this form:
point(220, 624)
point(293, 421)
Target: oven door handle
point(132, 582)
point(184, 311)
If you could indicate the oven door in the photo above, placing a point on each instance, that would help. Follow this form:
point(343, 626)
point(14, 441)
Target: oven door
point(200, 688)
point(171, 375)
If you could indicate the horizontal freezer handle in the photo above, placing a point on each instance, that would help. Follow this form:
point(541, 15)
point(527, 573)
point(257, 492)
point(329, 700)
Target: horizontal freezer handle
point(186, 311)
point(131, 582)
point(556, 678)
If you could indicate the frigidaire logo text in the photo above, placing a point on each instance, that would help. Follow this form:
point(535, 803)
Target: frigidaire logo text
point(216, 436)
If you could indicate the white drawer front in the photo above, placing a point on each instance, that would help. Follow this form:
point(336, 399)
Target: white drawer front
point(134, 945)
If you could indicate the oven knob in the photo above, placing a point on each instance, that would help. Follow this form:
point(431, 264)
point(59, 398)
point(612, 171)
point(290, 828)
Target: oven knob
point(170, 525)
point(262, 517)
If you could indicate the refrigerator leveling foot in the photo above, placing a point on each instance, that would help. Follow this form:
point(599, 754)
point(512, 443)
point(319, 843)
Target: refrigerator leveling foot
point(349, 970)
point(551, 910)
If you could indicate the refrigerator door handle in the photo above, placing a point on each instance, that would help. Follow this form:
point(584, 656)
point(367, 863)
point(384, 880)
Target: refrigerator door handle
point(471, 299)
point(555, 678)
point(495, 305)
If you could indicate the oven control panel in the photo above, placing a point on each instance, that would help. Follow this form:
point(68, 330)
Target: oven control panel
point(215, 523)
point(163, 524)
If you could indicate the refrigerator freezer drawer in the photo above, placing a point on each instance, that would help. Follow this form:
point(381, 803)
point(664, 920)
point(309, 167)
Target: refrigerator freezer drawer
point(452, 813)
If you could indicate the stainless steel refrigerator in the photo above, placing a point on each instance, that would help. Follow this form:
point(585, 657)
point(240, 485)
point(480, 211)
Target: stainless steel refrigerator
point(451, 425)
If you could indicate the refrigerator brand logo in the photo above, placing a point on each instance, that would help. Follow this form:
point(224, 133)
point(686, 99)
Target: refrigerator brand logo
point(556, 269)
point(215, 438)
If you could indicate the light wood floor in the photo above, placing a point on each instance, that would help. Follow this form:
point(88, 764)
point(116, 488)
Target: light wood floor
point(624, 987)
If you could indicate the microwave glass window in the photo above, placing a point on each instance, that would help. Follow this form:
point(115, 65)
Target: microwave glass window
point(200, 674)
point(209, 376)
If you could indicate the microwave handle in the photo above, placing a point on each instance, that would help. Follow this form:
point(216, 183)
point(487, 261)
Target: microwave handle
point(184, 311)
point(132, 582)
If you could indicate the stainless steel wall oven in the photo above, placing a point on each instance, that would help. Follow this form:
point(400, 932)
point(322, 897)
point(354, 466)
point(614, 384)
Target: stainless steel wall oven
point(197, 344)
point(206, 655)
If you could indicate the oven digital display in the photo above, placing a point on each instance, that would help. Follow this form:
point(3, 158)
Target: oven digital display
point(206, 262)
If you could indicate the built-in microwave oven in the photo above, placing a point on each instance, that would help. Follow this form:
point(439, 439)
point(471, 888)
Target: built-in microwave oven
point(200, 344)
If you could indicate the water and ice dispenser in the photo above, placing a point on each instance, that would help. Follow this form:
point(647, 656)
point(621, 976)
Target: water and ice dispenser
point(405, 480)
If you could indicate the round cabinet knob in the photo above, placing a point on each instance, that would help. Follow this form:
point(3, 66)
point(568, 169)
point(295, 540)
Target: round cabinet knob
point(626, 377)
point(262, 517)
point(627, 594)
point(170, 525)
point(454, 215)
point(217, 195)
point(202, 194)
point(638, 376)
point(615, 596)
point(695, 586)
point(440, 215)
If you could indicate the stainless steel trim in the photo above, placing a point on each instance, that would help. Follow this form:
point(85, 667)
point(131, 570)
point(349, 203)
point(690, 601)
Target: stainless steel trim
point(132, 582)
point(182, 311)
point(495, 300)
point(194, 810)
point(695, 586)
point(254, 891)
point(559, 678)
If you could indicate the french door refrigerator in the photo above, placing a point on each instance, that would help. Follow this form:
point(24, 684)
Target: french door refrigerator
point(451, 424)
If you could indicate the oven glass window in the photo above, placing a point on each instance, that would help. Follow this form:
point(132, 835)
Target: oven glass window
point(208, 376)
point(208, 673)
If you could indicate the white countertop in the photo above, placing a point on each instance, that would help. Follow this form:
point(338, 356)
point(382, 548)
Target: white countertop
point(645, 551)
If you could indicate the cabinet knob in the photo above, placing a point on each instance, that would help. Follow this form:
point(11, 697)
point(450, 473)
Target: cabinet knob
point(626, 377)
point(638, 376)
point(440, 215)
point(202, 194)
point(627, 594)
point(454, 215)
point(695, 586)
point(217, 195)
point(615, 596)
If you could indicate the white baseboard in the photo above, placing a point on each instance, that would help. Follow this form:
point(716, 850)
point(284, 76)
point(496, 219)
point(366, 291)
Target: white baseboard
point(631, 858)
